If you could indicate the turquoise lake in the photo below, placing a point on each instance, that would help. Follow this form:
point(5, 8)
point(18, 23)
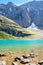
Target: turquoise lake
point(18, 45)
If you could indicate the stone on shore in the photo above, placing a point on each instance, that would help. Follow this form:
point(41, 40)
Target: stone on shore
point(14, 63)
point(26, 56)
point(30, 64)
point(40, 62)
point(25, 61)
point(2, 55)
point(32, 55)
point(18, 58)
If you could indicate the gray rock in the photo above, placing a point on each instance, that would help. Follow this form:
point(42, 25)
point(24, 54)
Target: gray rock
point(41, 62)
point(26, 56)
point(14, 63)
point(32, 55)
point(18, 58)
point(2, 62)
point(2, 55)
point(25, 61)
point(30, 64)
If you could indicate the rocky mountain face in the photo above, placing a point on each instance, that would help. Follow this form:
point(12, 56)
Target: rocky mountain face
point(35, 11)
point(26, 14)
point(15, 13)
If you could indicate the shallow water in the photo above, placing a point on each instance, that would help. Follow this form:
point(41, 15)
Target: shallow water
point(20, 45)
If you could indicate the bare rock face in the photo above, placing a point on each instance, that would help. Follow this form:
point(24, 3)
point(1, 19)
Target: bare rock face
point(35, 12)
point(14, 32)
point(19, 15)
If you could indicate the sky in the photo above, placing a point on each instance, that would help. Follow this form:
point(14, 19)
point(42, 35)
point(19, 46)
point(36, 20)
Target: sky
point(18, 2)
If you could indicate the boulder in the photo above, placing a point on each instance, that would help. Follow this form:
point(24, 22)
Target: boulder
point(32, 55)
point(41, 62)
point(2, 62)
point(25, 61)
point(14, 63)
point(26, 56)
point(18, 58)
point(30, 64)
point(2, 55)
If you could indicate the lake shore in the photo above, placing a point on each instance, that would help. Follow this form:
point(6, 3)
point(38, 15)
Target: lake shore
point(10, 56)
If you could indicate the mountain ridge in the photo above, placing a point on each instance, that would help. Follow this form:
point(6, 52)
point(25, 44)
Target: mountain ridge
point(25, 14)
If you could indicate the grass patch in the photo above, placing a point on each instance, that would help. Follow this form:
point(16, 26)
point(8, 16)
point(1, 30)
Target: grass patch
point(5, 36)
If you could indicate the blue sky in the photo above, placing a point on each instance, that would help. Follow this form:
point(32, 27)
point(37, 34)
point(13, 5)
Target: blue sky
point(15, 1)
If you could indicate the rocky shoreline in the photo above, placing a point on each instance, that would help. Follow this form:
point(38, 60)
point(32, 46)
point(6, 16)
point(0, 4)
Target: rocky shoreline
point(20, 58)
point(23, 60)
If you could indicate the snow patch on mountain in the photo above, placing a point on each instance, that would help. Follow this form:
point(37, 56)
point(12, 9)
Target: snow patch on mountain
point(33, 26)
point(10, 9)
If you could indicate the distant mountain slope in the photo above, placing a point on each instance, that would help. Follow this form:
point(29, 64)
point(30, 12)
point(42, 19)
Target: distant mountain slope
point(12, 28)
point(5, 36)
point(33, 4)
point(15, 13)
point(24, 15)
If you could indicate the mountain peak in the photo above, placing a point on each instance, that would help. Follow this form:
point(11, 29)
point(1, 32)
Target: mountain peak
point(11, 4)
